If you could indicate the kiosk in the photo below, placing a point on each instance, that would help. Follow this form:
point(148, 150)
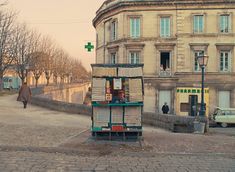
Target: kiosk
point(117, 100)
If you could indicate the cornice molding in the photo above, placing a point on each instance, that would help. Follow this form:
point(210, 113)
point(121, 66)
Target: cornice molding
point(165, 45)
point(225, 44)
point(134, 45)
point(111, 5)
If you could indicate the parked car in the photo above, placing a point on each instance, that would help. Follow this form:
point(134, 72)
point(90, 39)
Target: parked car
point(10, 82)
point(224, 116)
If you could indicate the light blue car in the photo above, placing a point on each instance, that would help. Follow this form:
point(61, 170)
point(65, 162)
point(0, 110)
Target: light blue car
point(224, 116)
point(10, 82)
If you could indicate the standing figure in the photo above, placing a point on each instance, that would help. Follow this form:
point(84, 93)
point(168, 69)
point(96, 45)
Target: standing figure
point(165, 108)
point(24, 94)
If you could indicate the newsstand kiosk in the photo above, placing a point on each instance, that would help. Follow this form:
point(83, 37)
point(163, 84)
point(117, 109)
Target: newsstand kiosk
point(117, 100)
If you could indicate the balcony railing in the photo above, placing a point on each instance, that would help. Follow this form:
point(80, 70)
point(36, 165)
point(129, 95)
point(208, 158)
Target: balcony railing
point(165, 73)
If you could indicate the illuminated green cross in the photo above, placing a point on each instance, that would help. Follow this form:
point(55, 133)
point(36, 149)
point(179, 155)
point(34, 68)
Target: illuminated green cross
point(89, 46)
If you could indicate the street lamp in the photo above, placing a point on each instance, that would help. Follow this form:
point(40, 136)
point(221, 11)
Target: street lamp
point(202, 60)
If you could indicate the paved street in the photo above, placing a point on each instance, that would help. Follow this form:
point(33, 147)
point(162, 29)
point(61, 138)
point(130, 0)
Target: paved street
point(38, 139)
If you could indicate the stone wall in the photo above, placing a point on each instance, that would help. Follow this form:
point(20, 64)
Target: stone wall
point(61, 106)
point(173, 123)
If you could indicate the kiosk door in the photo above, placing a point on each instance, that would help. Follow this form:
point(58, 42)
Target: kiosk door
point(193, 101)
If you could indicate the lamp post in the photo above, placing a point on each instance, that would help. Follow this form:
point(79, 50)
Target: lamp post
point(202, 60)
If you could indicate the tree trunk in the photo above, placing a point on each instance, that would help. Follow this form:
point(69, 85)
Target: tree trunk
point(22, 79)
point(1, 80)
point(36, 82)
point(48, 81)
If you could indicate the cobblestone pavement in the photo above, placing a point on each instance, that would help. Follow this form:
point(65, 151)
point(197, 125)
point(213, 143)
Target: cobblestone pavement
point(37, 139)
point(56, 162)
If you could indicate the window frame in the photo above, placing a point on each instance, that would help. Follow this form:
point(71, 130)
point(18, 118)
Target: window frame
point(195, 62)
point(229, 23)
point(135, 57)
point(229, 61)
point(165, 35)
point(111, 58)
point(135, 35)
point(197, 30)
point(114, 30)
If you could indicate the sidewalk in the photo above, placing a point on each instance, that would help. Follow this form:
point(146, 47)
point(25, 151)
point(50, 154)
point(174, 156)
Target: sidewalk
point(38, 139)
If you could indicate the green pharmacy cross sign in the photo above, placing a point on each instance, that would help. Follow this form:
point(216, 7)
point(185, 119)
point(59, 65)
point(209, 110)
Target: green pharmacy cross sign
point(89, 47)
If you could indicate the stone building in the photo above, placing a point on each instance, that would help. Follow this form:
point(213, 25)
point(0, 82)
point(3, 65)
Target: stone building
point(167, 36)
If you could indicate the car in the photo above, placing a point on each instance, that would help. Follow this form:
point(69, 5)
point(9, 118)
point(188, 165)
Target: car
point(11, 82)
point(224, 116)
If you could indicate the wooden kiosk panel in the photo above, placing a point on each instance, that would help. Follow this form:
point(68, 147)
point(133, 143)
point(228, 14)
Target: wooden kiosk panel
point(117, 99)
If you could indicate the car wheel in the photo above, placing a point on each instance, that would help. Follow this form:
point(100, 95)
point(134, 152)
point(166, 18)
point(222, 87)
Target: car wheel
point(224, 125)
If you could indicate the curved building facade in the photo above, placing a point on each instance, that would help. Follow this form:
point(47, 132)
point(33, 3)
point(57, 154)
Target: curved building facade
point(167, 36)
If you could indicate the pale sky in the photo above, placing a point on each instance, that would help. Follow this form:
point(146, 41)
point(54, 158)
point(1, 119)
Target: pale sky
point(69, 22)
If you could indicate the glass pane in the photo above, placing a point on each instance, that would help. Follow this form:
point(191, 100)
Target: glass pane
point(137, 28)
point(132, 27)
point(132, 58)
point(221, 23)
point(226, 61)
point(200, 23)
point(167, 26)
point(162, 27)
point(137, 58)
point(222, 61)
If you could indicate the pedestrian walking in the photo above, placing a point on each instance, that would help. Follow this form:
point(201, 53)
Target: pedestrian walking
point(24, 94)
point(165, 108)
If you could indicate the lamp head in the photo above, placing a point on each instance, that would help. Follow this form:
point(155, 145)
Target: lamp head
point(202, 60)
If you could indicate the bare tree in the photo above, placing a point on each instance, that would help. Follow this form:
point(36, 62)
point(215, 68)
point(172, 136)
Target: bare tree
point(3, 3)
point(79, 73)
point(36, 57)
point(22, 50)
point(6, 29)
point(63, 65)
point(48, 47)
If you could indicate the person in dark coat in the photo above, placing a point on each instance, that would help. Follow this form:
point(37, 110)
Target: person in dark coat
point(24, 94)
point(165, 108)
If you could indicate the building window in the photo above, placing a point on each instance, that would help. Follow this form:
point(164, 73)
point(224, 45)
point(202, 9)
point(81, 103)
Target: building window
point(196, 64)
point(165, 27)
point(198, 24)
point(135, 27)
point(113, 30)
point(113, 58)
point(165, 61)
point(134, 57)
point(225, 25)
point(225, 61)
